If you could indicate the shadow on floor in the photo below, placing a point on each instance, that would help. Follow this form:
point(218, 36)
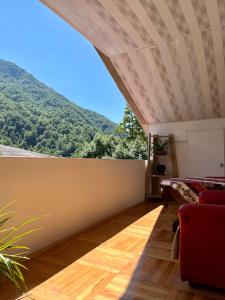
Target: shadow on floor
point(58, 257)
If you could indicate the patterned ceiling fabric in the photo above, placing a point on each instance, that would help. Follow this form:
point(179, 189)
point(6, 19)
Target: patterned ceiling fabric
point(170, 54)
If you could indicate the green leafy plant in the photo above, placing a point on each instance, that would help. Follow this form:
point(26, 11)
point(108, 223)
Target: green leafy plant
point(160, 146)
point(11, 252)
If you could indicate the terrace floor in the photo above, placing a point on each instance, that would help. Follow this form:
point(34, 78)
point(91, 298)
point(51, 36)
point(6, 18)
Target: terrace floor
point(126, 257)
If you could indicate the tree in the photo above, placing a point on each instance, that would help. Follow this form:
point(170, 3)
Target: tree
point(130, 149)
point(30, 138)
point(102, 146)
point(129, 127)
point(128, 141)
point(132, 142)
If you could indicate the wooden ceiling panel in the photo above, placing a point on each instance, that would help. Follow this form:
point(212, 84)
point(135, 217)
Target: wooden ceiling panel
point(168, 54)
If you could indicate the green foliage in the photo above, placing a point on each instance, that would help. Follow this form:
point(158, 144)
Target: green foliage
point(135, 149)
point(11, 253)
point(35, 117)
point(132, 141)
point(128, 142)
point(160, 146)
point(129, 127)
point(102, 146)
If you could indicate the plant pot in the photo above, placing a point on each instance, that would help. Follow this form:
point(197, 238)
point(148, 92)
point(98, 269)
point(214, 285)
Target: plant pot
point(161, 152)
point(161, 169)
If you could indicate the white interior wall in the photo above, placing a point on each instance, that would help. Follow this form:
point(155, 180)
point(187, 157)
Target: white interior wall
point(180, 131)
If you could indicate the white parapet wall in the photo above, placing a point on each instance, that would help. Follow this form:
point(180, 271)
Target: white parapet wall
point(75, 192)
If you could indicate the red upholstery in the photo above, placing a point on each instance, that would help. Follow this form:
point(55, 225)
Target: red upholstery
point(197, 187)
point(202, 243)
point(212, 197)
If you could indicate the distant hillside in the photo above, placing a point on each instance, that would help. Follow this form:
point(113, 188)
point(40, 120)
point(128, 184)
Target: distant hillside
point(35, 117)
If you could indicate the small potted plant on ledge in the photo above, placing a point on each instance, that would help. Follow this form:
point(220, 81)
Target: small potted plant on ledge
point(160, 147)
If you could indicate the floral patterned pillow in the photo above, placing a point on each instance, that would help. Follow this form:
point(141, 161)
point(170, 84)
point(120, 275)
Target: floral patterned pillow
point(186, 192)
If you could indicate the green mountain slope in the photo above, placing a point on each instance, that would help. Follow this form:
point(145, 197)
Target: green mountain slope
point(35, 117)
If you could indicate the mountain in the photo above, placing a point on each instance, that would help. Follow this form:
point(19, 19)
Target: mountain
point(35, 117)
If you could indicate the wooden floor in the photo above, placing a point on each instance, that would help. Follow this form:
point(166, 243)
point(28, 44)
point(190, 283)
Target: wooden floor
point(127, 257)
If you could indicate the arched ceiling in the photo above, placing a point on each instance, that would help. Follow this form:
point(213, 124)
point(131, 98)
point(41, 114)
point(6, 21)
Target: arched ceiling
point(168, 54)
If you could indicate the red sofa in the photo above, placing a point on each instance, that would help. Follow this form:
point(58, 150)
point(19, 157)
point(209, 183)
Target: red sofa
point(202, 240)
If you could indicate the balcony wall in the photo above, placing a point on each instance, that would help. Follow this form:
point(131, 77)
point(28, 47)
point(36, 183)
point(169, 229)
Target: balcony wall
point(76, 192)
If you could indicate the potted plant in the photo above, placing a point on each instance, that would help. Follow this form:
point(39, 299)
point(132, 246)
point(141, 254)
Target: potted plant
point(160, 146)
point(12, 252)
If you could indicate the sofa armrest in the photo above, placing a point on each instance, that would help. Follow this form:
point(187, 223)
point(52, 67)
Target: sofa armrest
point(202, 244)
point(212, 197)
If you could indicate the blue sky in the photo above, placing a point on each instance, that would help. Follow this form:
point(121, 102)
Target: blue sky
point(39, 41)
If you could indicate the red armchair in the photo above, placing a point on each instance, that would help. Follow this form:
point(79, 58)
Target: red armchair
point(202, 240)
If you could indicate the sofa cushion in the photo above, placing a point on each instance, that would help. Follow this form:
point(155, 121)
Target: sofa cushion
point(197, 187)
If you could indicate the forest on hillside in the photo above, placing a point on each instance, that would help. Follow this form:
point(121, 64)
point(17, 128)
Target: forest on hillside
point(127, 142)
point(35, 117)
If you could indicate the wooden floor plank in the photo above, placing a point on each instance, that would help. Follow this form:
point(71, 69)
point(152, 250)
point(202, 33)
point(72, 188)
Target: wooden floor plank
point(126, 257)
